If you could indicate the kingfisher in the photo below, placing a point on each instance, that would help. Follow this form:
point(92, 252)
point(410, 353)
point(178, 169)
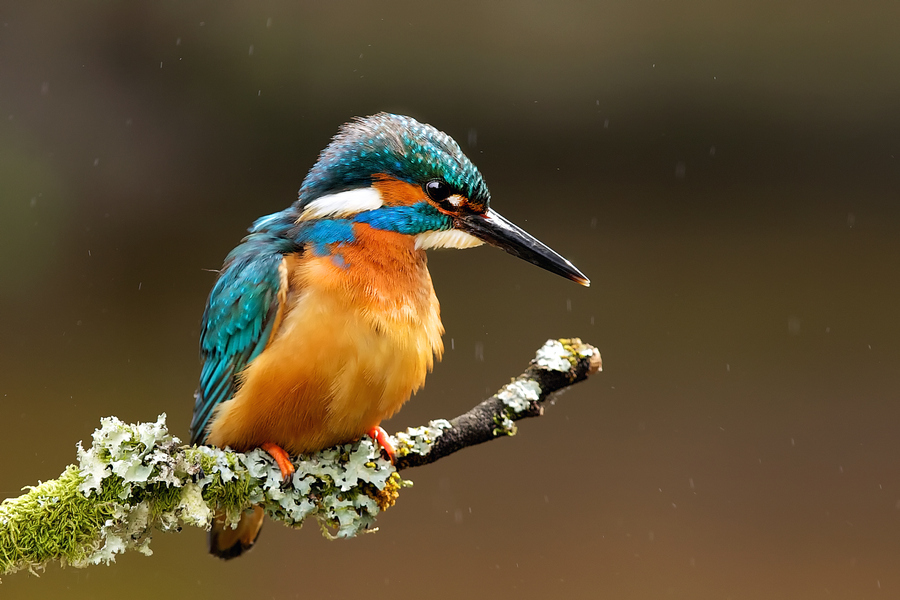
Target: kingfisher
point(323, 321)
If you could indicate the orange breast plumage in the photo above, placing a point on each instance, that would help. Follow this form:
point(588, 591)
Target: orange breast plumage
point(357, 333)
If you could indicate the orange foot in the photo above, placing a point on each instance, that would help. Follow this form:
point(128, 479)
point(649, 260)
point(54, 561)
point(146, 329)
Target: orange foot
point(281, 458)
point(380, 435)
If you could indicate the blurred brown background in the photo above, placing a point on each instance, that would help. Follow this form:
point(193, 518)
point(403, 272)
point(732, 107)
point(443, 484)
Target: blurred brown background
point(725, 172)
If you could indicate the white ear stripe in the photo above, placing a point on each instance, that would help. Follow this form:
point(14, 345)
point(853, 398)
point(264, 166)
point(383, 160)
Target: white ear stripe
point(342, 204)
point(451, 238)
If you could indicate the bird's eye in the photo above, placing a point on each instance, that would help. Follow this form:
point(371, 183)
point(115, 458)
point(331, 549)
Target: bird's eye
point(437, 190)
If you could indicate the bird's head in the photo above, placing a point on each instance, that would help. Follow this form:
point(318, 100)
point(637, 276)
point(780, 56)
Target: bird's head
point(395, 174)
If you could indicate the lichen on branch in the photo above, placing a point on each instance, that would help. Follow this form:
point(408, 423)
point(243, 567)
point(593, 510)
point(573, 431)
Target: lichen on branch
point(135, 479)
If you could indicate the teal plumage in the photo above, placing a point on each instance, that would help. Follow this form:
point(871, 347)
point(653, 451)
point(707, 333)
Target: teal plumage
point(239, 314)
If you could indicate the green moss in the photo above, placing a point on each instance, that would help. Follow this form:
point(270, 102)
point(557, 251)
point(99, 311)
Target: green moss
point(235, 495)
point(162, 498)
point(53, 521)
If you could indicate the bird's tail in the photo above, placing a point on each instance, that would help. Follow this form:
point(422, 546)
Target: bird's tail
point(227, 543)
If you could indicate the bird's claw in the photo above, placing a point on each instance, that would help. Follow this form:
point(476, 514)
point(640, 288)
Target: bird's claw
point(381, 436)
point(281, 459)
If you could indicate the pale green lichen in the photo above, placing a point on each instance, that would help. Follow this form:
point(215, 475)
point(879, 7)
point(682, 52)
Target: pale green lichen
point(519, 394)
point(331, 486)
point(419, 440)
point(562, 354)
point(553, 355)
point(135, 479)
point(517, 397)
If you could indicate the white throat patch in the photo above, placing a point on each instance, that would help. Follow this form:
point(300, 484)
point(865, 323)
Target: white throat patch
point(451, 238)
point(342, 204)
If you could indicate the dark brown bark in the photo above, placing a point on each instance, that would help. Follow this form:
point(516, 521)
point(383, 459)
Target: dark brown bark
point(482, 423)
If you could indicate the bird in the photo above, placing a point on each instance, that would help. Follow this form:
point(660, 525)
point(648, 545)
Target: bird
point(323, 321)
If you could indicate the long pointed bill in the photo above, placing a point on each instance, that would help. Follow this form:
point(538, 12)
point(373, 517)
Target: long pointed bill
point(497, 231)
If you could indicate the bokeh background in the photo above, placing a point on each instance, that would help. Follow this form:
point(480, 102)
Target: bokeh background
point(725, 172)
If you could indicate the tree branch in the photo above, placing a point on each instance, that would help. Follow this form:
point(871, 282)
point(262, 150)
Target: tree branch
point(557, 365)
point(137, 478)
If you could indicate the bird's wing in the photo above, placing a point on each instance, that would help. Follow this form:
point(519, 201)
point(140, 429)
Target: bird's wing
point(240, 317)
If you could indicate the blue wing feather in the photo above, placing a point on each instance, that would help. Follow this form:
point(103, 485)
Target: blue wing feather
point(238, 320)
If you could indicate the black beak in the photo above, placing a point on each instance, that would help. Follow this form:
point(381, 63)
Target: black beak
point(497, 231)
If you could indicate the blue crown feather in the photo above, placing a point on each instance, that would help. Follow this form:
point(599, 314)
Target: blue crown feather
point(397, 146)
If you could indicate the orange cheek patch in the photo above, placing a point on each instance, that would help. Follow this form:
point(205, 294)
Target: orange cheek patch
point(397, 193)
